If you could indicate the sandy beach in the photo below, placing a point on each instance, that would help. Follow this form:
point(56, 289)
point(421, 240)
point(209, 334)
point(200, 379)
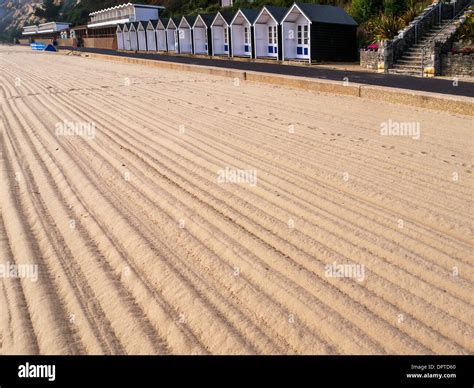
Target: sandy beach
point(148, 211)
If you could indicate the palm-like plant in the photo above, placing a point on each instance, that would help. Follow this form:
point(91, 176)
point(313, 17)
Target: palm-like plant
point(384, 27)
point(466, 32)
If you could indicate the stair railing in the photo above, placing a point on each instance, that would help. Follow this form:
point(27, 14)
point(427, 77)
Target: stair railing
point(415, 25)
point(451, 22)
point(437, 8)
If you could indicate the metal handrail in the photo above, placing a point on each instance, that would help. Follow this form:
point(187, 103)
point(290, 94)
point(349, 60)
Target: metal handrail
point(439, 32)
point(415, 25)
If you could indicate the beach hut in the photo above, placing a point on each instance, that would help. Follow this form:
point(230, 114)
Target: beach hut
point(132, 31)
point(126, 37)
point(172, 35)
point(185, 34)
point(119, 36)
point(161, 44)
point(315, 32)
point(141, 36)
point(151, 35)
point(241, 33)
point(267, 32)
point(220, 34)
point(202, 41)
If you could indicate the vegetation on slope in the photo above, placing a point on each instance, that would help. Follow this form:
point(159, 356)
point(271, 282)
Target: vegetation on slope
point(378, 19)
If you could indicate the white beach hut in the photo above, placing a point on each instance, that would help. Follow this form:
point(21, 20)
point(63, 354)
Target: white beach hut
point(172, 35)
point(119, 34)
point(202, 41)
point(151, 35)
point(126, 37)
point(267, 32)
point(161, 44)
point(185, 34)
point(133, 36)
point(317, 32)
point(241, 29)
point(220, 34)
point(141, 36)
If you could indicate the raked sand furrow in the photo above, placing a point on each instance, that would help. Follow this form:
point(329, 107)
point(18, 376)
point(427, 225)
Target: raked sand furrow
point(67, 219)
point(408, 218)
point(229, 279)
point(174, 223)
point(46, 309)
point(234, 88)
point(444, 274)
point(81, 250)
point(267, 129)
point(377, 156)
point(16, 332)
point(201, 311)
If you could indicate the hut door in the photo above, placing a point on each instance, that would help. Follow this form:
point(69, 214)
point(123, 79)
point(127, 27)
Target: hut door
point(272, 41)
point(302, 47)
point(226, 40)
point(176, 40)
point(247, 40)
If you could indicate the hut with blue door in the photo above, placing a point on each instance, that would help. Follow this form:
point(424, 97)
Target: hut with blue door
point(220, 32)
point(315, 32)
point(267, 32)
point(202, 36)
point(242, 34)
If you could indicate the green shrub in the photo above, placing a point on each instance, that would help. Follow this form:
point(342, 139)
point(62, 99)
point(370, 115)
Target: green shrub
point(363, 10)
point(384, 27)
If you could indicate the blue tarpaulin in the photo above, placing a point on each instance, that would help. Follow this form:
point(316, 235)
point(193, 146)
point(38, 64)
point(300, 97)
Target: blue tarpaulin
point(38, 46)
point(43, 47)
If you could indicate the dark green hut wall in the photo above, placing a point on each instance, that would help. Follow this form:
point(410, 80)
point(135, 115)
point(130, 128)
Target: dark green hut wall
point(333, 42)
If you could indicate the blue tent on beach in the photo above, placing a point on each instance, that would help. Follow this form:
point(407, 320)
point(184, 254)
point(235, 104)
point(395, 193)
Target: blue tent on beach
point(51, 48)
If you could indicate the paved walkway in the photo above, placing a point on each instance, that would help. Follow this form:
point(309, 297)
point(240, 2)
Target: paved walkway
point(435, 85)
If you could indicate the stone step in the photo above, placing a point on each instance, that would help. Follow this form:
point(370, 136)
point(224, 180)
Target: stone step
point(412, 54)
point(404, 72)
point(398, 66)
point(408, 62)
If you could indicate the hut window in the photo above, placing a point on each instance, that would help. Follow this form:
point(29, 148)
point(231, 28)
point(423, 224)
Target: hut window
point(272, 35)
point(226, 36)
point(246, 33)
